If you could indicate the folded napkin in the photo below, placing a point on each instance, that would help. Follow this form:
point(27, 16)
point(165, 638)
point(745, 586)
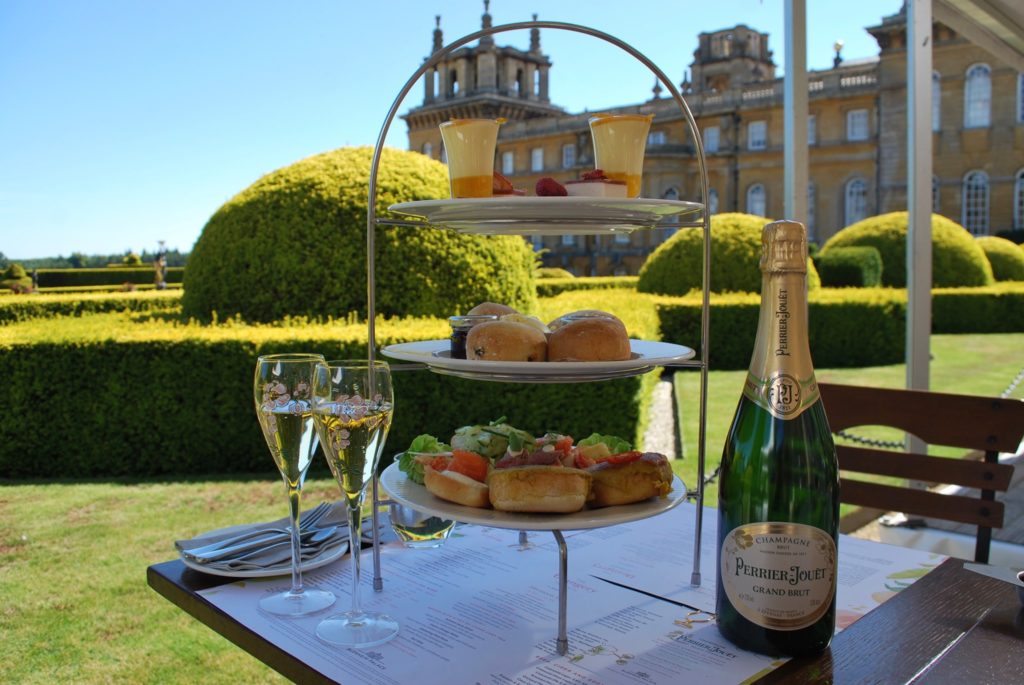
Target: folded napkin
point(278, 553)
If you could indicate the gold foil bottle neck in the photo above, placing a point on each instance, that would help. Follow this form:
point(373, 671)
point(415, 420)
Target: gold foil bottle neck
point(784, 247)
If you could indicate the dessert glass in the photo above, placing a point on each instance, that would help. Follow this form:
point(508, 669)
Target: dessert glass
point(619, 144)
point(469, 145)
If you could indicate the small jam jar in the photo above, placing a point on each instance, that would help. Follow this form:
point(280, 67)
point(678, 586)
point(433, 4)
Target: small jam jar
point(460, 329)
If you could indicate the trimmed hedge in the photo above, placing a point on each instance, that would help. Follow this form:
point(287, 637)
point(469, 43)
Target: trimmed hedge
point(676, 266)
point(993, 309)
point(847, 328)
point(294, 243)
point(158, 399)
point(553, 286)
point(957, 259)
point(1006, 258)
point(858, 267)
point(78, 304)
point(110, 276)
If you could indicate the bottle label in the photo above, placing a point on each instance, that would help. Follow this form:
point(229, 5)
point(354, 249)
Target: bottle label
point(783, 395)
point(780, 576)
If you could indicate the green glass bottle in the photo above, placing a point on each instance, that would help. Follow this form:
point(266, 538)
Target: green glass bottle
point(778, 501)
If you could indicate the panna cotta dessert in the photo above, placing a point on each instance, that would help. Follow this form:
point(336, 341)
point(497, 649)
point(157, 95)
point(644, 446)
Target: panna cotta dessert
point(596, 184)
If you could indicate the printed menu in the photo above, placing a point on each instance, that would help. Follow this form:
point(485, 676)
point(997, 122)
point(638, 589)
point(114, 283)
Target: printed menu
point(483, 609)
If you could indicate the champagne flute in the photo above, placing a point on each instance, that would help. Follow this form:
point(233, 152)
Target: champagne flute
point(282, 390)
point(352, 408)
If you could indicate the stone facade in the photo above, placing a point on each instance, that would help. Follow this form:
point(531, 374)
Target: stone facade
point(856, 142)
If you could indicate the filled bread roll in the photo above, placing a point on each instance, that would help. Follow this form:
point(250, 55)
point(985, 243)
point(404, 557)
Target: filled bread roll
point(491, 308)
point(617, 481)
point(539, 489)
point(589, 340)
point(507, 341)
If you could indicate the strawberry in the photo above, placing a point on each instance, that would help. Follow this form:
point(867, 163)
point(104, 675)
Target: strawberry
point(549, 187)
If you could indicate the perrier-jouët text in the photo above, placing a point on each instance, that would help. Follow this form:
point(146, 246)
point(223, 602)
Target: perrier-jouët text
point(778, 501)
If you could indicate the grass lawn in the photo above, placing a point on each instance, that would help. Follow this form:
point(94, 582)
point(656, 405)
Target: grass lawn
point(73, 556)
point(964, 364)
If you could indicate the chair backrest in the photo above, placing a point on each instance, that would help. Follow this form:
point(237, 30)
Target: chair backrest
point(985, 424)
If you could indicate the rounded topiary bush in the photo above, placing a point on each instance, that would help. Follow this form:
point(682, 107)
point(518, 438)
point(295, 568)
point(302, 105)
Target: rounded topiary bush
point(294, 243)
point(1005, 256)
point(674, 268)
point(843, 267)
point(553, 272)
point(957, 259)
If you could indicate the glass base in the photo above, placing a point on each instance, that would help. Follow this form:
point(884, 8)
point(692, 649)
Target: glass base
point(361, 630)
point(304, 603)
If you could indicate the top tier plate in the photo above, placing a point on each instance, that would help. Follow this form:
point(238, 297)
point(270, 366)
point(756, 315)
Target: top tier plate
point(514, 215)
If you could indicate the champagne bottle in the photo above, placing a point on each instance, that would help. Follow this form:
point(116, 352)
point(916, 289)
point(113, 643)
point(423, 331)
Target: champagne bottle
point(778, 502)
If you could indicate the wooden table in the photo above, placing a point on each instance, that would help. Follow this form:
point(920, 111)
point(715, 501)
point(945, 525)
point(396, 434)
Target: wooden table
point(951, 626)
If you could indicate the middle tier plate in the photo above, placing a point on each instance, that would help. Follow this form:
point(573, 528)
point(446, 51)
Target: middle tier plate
point(646, 355)
point(415, 496)
point(511, 215)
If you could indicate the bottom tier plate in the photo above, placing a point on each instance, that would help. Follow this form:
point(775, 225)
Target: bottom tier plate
point(410, 494)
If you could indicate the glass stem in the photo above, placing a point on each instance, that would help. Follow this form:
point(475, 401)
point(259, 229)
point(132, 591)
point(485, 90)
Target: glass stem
point(293, 508)
point(355, 525)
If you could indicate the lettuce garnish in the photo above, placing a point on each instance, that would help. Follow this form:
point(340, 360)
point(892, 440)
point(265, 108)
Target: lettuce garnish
point(421, 444)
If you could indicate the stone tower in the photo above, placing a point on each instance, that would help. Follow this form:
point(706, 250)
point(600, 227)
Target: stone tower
point(481, 81)
point(731, 58)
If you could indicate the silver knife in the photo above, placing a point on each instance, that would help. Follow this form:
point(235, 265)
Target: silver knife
point(1007, 575)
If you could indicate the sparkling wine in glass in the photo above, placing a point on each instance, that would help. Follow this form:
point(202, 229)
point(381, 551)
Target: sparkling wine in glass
point(283, 391)
point(352, 408)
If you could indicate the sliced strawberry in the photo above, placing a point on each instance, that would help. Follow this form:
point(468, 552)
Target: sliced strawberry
point(595, 175)
point(623, 458)
point(549, 187)
point(501, 185)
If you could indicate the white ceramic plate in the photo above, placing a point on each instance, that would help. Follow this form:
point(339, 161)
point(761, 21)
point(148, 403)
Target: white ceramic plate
point(284, 569)
point(549, 215)
point(646, 355)
point(416, 496)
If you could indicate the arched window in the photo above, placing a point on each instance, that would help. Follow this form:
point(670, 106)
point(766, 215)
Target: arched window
point(428, 149)
point(756, 200)
point(856, 205)
point(974, 203)
point(935, 195)
point(936, 101)
point(671, 194)
point(978, 96)
point(1018, 201)
point(712, 201)
point(453, 82)
point(812, 220)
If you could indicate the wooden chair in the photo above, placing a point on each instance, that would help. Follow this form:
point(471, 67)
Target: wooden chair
point(988, 425)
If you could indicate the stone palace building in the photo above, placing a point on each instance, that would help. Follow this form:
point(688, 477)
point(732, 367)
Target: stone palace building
point(856, 138)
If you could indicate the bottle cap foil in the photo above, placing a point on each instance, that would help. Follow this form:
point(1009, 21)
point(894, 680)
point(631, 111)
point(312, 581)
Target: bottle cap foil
point(784, 247)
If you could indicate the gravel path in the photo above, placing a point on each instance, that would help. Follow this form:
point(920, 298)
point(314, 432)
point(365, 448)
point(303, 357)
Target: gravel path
point(661, 431)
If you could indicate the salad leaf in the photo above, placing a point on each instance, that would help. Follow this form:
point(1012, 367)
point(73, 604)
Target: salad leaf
point(421, 444)
point(615, 444)
point(492, 440)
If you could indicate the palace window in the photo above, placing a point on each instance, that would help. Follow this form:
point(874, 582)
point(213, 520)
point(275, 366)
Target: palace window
point(568, 156)
point(812, 220)
point(568, 239)
point(974, 203)
point(508, 162)
point(622, 238)
point(857, 124)
point(936, 102)
point(428, 149)
point(856, 207)
point(812, 129)
point(1018, 201)
point(712, 201)
point(1020, 98)
point(936, 198)
point(978, 97)
point(711, 139)
point(757, 135)
point(537, 159)
point(656, 138)
point(756, 200)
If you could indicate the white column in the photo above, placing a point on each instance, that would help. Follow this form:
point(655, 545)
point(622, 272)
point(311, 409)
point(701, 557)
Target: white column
point(919, 190)
point(794, 113)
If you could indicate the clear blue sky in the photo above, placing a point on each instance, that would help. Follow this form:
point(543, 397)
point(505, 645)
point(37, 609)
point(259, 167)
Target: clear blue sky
point(125, 122)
